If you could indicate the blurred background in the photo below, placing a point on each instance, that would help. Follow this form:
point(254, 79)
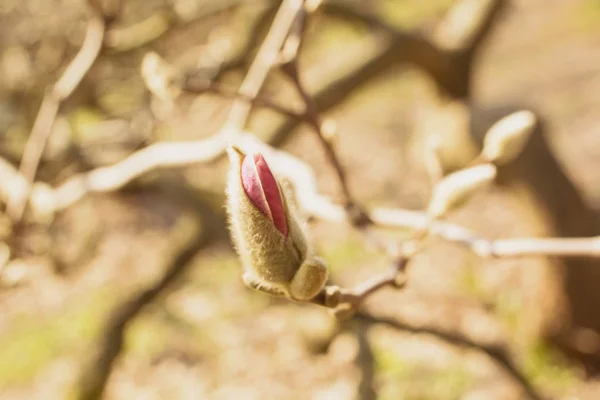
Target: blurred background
point(136, 294)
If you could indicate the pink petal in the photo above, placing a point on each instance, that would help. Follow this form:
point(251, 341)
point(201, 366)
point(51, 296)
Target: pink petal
point(262, 189)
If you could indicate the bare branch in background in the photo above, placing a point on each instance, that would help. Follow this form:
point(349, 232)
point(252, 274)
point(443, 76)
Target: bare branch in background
point(345, 302)
point(42, 127)
point(264, 61)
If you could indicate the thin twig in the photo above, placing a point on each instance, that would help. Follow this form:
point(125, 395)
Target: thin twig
point(313, 118)
point(497, 352)
point(42, 127)
point(346, 302)
point(264, 61)
point(94, 379)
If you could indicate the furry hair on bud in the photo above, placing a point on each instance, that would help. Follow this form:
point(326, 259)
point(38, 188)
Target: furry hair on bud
point(269, 258)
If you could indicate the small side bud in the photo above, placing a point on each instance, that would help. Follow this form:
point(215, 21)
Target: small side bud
point(507, 138)
point(456, 188)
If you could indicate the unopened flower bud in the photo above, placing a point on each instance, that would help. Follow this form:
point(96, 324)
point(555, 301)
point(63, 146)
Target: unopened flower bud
point(507, 138)
point(267, 236)
point(457, 187)
point(262, 190)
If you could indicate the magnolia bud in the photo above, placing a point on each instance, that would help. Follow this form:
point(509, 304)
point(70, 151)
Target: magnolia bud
point(267, 236)
point(262, 189)
point(506, 139)
point(456, 188)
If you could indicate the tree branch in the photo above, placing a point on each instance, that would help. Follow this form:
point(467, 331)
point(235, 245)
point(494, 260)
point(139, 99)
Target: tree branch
point(42, 127)
point(264, 61)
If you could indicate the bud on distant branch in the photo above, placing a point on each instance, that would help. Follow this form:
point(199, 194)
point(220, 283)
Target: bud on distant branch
point(507, 138)
point(458, 187)
point(267, 236)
